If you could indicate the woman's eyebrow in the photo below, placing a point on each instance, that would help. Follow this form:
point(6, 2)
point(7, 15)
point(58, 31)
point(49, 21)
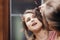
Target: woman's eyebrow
point(28, 17)
point(29, 12)
point(33, 15)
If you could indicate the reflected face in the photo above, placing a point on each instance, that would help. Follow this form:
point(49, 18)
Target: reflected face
point(32, 22)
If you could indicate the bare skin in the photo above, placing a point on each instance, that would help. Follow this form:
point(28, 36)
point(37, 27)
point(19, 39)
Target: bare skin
point(42, 35)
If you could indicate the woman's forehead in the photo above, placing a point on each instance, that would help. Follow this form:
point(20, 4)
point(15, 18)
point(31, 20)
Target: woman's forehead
point(28, 15)
point(29, 10)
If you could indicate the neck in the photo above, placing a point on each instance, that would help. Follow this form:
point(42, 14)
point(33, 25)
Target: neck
point(42, 34)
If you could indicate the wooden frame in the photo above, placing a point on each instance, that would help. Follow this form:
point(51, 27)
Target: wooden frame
point(6, 18)
point(1, 20)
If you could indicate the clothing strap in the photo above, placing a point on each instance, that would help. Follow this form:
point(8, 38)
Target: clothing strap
point(52, 35)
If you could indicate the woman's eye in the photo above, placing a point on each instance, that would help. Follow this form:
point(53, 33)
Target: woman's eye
point(28, 19)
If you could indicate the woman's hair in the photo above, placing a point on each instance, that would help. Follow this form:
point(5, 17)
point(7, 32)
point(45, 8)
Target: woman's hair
point(38, 15)
point(53, 11)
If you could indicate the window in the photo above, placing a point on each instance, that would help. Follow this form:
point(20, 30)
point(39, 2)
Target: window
point(17, 8)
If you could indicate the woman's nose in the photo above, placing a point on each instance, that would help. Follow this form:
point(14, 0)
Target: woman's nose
point(32, 20)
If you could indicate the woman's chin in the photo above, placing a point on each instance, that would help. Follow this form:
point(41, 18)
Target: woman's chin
point(35, 29)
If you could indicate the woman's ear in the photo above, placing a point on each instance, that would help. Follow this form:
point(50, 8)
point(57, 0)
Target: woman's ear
point(42, 8)
point(22, 18)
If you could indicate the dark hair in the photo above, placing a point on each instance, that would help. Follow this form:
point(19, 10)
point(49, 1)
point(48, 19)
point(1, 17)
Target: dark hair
point(55, 20)
point(53, 16)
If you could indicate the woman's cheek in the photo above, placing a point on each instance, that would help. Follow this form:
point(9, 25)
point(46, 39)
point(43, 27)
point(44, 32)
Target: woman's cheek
point(28, 24)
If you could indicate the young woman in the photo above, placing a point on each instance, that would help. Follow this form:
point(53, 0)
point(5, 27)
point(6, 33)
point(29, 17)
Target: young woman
point(51, 10)
point(33, 22)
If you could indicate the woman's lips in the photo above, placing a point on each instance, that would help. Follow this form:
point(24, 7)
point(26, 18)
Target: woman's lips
point(34, 24)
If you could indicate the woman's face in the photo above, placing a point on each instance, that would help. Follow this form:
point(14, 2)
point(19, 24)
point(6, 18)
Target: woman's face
point(32, 22)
